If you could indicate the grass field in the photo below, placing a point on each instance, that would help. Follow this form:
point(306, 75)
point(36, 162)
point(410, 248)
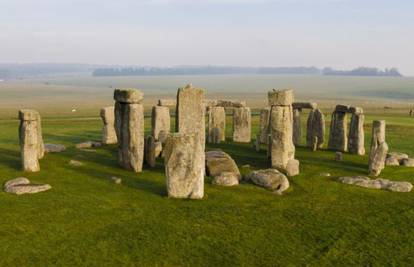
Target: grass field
point(86, 220)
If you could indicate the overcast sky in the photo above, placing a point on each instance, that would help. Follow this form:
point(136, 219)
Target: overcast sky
point(337, 33)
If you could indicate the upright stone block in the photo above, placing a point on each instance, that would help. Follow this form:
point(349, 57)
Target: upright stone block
point(297, 131)
point(108, 131)
point(338, 139)
point(129, 126)
point(379, 148)
point(356, 143)
point(150, 151)
point(31, 141)
point(242, 125)
point(160, 122)
point(184, 159)
point(315, 129)
point(190, 114)
point(216, 124)
point(264, 125)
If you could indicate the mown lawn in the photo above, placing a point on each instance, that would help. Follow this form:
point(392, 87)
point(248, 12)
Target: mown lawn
point(86, 220)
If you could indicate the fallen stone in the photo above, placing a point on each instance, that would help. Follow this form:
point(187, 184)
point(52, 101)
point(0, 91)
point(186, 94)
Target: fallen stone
point(396, 156)
point(392, 161)
point(88, 144)
point(270, 179)
point(407, 162)
point(22, 185)
point(339, 156)
point(16, 181)
point(54, 148)
point(75, 163)
point(116, 180)
point(218, 162)
point(378, 183)
point(226, 179)
point(292, 167)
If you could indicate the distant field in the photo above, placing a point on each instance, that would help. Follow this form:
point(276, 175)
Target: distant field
point(57, 96)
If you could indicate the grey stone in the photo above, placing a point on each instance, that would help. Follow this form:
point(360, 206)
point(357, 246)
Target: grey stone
point(395, 157)
point(218, 162)
point(226, 179)
point(356, 143)
point(231, 103)
point(75, 163)
point(407, 162)
point(280, 97)
point(31, 143)
point(184, 161)
point(190, 114)
point(292, 167)
point(304, 105)
point(264, 125)
point(88, 144)
point(108, 131)
point(338, 139)
point(116, 180)
point(242, 125)
point(339, 156)
point(128, 96)
point(315, 130)
point(270, 179)
point(22, 185)
point(129, 126)
point(392, 161)
point(157, 149)
point(167, 102)
point(297, 127)
point(377, 183)
point(216, 125)
point(379, 148)
point(160, 123)
point(54, 148)
point(16, 181)
point(210, 102)
point(150, 157)
point(343, 108)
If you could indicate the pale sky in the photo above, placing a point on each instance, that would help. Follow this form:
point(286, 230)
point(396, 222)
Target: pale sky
point(338, 33)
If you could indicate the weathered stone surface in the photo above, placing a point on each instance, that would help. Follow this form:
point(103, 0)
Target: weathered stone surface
point(292, 167)
point(75, 163)
point(315, 129)
point(88, 144)
point(339, 156)
point(31, 143)
point(231, 103)
point(297, 127)
point(22, 185)
point(184, 160)
point(190, 114)
point(130, 96)
point(304, 105)
point(226, 179)
point(129, 126)
point(282, 147)
point(407, 162)
point(270, 179)
point(343, 108)
point(264, 125)
point(150, 151)
point(40, 144)
point(160, 122)
point(218, 162)
point(242, 125)
point(356, 141)
point(280, 97)
point(395, 158)
point(379, 148)
point(157, 148)
point(54, 148)
point(391, 161)
point(338, 139)
point(210, 102)
point(167, 102)
point(377, 183)
point(216, 125)
point(108, 131)
point(356, 110)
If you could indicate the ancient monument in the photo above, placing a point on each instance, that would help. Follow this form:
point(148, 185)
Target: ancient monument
point(264, 125)
point(31, 140)
point(160, 122)
point(216, 125)
point(108, 131)
point(379, 148)
point(241, 125)
point(282, 149)
point(129, 125)
point(339, 140)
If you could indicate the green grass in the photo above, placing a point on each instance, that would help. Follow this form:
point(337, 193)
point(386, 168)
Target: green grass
point(86, 220)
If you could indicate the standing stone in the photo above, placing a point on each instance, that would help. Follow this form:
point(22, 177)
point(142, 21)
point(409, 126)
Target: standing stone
point(338, 139)
point(241, 125)
point(356, 144)
point(184, 165)
point(315, 129)
point(129, 126)
point(108, 131)
point(41, 145)
point(160, 122)
point(297, 131)
point(190, 113)
point(30, 140)
point(379, 148)
point(281, 128)
point(150, 151)
point(264, 125)
point(216, 125)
